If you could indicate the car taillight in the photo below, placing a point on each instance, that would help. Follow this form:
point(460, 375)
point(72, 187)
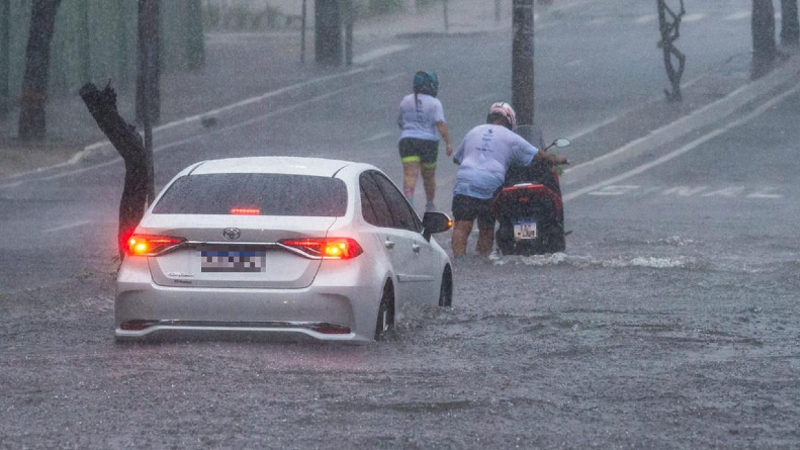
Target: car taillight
point(245, 211)
point(328, 248)
point(149, 245)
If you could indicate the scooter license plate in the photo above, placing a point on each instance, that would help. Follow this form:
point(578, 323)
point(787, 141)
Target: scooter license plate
point(525, 230)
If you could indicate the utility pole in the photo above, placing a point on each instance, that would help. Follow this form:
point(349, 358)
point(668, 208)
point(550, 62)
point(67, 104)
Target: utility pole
point(349, 17)
point(328, 31)
point(5, 63)
point(303, 33)
point(522, 91)
point(148, 107)
point(446, 19)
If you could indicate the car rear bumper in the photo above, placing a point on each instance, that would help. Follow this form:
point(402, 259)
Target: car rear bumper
point(325, 310)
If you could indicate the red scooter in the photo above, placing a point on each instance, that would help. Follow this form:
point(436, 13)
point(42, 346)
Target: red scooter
point(529, 209)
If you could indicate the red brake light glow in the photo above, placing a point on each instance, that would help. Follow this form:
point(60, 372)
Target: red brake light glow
point(245, 211)
point(328, 248)
point(148, 245)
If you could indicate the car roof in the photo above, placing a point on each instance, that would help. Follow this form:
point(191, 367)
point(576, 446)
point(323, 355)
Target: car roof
point(272, 164)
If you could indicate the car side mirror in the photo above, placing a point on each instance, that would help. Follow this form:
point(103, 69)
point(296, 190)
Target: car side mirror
point(435, 222)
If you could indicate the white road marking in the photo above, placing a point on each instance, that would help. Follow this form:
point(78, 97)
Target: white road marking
point(686, 148)
point(380, 53)
point(200, 136)
point(249, 101)
point(378, 137)
point(765, 193)
point(68, 226)
point(646, 19)
point(778, 16)
point(685, 191)
point(612, 119)
point(599, 21)
point(730, 192)
point(615, 189)
point(693, 17)
point(574, 63)
point(738, 16)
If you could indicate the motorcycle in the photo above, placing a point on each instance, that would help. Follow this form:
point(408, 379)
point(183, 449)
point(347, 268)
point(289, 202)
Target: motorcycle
point(529, 209)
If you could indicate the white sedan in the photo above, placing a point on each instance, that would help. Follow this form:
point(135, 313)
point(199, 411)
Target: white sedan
point(329, 249)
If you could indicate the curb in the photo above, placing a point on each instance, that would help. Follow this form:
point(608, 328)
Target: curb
point(703, 117)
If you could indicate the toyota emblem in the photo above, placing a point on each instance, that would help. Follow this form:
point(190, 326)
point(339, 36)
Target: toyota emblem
point(231, 234)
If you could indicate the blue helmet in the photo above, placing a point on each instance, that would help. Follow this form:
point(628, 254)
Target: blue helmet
point(426, 83)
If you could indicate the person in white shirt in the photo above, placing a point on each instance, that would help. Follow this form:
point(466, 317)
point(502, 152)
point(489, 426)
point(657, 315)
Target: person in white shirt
point(421, 115)
point(485, 155)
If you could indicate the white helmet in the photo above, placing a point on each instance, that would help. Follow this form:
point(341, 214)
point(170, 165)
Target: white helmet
point(505, 110)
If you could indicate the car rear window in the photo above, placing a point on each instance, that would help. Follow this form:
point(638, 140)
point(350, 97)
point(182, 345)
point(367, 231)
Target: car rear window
point(255, 194)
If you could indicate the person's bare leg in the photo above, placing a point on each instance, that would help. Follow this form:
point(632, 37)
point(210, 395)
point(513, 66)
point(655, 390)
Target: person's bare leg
point(410, 175)
point(429, 182)
point(461, 231)
point(485, 240)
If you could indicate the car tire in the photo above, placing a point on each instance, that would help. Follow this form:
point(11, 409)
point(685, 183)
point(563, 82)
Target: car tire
point(446, 290)
point(384, 328)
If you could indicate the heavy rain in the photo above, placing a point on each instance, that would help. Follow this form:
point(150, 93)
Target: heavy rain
point(662, 315)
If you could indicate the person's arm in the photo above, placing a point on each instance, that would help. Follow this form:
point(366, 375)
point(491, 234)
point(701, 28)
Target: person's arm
point(549, 158)
point(459, 152)
point(444, 130)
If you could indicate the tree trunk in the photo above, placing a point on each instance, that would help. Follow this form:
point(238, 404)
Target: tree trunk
point(195, 46)
point(5, 63)
point(103, 107)
point(32, 124)
point(328, 33)
point(763, 30)
point(790, 27)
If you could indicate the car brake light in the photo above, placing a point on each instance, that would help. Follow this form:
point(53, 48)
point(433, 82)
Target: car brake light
point(328, 248)
point(245, 211)
point(149, 245)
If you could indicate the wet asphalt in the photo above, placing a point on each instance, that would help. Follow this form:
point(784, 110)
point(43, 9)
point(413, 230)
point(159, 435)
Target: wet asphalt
point(669, 322)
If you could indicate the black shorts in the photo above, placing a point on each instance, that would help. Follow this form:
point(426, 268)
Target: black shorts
point(471, 208)
point(419, 150)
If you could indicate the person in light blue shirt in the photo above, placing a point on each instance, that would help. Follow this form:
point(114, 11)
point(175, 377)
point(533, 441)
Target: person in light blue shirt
point(421, 116)
point(485, 155)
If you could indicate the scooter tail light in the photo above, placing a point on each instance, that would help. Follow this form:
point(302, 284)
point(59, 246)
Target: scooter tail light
point(150, 245)
point(326, 248)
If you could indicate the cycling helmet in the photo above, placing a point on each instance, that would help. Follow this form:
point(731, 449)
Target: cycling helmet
point(426, 83)
point(504, 110)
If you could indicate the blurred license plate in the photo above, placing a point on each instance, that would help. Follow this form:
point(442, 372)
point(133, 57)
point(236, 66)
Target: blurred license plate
point(525, 230)
point(232, 261)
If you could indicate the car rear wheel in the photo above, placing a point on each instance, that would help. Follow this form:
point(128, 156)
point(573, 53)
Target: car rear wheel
point(446, 291)
point(385, 326)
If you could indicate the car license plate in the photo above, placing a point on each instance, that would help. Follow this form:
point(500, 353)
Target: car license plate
point(232, 261)
point(525, 230)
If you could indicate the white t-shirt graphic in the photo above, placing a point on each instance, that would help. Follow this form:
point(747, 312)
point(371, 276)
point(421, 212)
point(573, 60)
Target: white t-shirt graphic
point(419, 120)
point(485, 155)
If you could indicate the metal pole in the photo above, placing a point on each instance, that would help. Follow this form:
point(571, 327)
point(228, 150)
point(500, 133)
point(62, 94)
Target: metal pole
point(522, 74)
point(446, 21)
point(348, 32)
point(497, 11)
point(303, 34)
point(5, 63)
point(149, 79)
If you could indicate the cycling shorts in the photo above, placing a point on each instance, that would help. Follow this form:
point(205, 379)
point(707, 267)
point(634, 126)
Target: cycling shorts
point(419, 150)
